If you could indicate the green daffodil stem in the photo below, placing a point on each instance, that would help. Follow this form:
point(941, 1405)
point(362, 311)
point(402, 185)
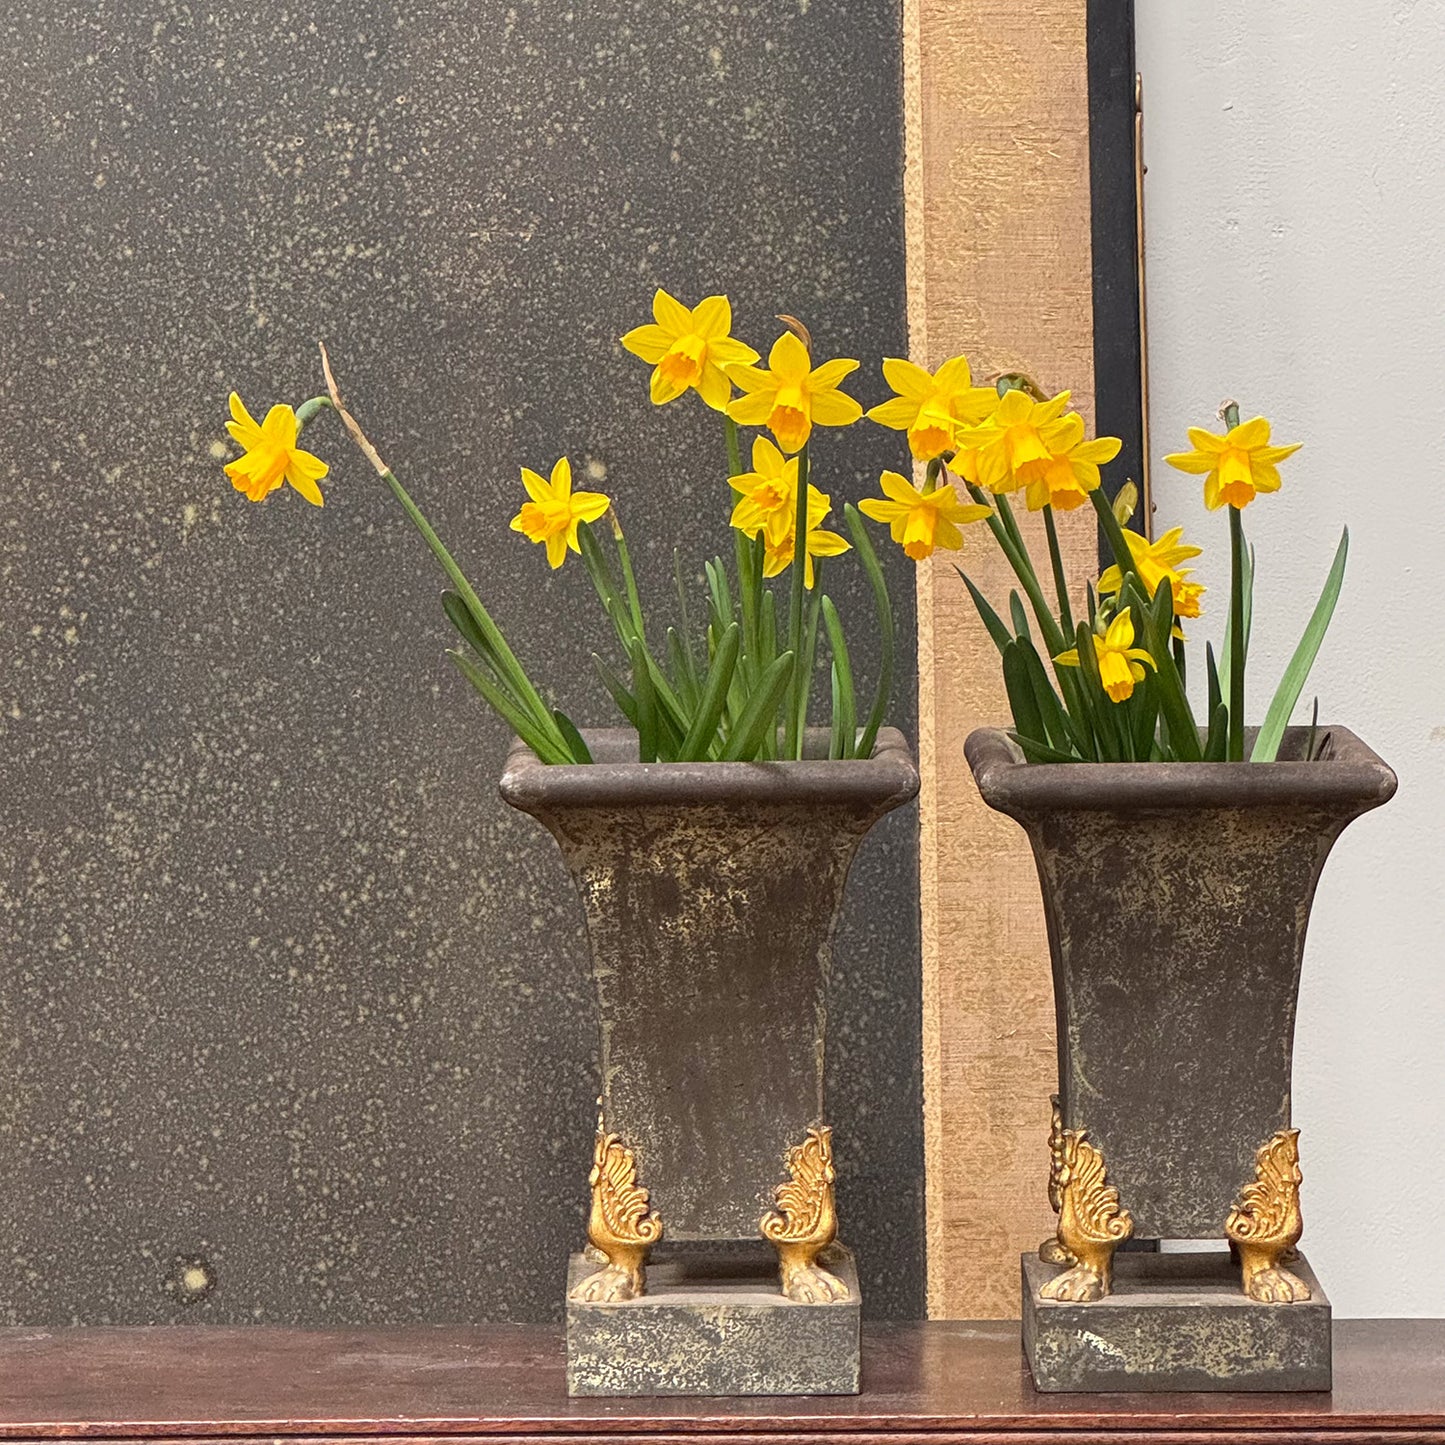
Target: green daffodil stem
point(802, 675)
point(1237, 643)
point(1061, 583)
point(308, 409)
point(629, 580)
point(1236, 636)
point(735, 452)
point(1022, 564)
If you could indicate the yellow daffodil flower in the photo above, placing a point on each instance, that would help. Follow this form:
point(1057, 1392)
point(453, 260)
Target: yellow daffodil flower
point(931, 408)
point(1239, 464)
point(689, 349)
point(793, 396)
point(769, 494)
point(552, 514)
point(1120, 662)
point(921, 521)
point(1154, 561)
point(271, 455)
point(778, 556)
point(1072, 470)
point(1015, 446)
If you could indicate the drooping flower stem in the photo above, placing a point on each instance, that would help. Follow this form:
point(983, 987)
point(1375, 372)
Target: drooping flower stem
point(801, 675)
point(499, 654)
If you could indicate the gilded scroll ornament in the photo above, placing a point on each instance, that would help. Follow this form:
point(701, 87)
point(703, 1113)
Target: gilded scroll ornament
point(1092, 1222)
point(805, 1221)
point(1052, 1251)
point(620, 1227)
point(1266, 1224)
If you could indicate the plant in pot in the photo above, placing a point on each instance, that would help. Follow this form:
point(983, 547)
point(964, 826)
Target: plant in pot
point(1177, 860)
point(709, 837)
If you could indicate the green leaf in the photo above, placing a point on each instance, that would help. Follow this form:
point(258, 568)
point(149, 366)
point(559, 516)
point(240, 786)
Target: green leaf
point(759, 718)
point(1037, 752)
point(680, 665)
point(991, 620)
point(1018, 616)
point(1216, 695)
point(1216, 746)
point(1267, 741)
point(703, 732)
point(883, 608)
point(581, 753)
point(626, 703)
point(549, 749)
point(1059, 728)
point(1028, 721)
point(646, 702)
point(843, 737)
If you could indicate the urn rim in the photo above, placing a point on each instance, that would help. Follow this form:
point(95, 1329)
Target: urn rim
point(885, 781)
point(1352, 780)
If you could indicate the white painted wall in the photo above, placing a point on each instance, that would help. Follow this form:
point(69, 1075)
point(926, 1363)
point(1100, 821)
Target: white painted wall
point(1296, 232)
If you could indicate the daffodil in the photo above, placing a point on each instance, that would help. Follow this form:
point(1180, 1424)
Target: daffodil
point(1072, 470)
point(554, 511)
point(1236, 466)
point(931, 407)
point(792, 396)
point(1156, 562)
point(921, 521)
point(271, 455)
point(1153, 561)
point(1015, 446)
point(1120, 662)
point(689, 349)
point(778, 556)
point(768, 495)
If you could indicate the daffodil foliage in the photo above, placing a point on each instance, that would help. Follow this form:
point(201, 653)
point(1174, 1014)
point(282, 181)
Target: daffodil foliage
point(735, 687)
point(1109, 686)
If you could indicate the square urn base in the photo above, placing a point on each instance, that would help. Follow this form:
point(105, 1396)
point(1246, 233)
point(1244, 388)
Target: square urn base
point(1175, 1322)
point(714, 1324)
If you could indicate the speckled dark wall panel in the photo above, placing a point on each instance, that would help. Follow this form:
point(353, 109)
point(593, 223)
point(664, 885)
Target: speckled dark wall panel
point(284, 988)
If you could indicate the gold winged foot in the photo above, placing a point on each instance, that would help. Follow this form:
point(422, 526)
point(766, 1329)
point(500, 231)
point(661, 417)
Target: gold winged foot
point(620, 1226)
point(1092, 1223)
point(1266, 1224)
point(805, 1222)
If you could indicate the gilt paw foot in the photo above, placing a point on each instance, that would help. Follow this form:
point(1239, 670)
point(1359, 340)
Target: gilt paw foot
point(1079, 1285)
point(812, 1285)
point(609, 1286)
point(1275, 1286)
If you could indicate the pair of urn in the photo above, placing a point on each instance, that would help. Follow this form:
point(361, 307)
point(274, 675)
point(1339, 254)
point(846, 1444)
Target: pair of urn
point(1176, 897)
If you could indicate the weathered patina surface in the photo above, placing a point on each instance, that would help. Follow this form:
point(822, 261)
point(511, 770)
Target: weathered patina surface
point(1177, 896)
point(711, 892)
point(715, 1326)
point(1175, 1322)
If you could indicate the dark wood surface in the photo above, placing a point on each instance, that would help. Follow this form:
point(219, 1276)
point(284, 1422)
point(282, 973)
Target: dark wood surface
point(957, 1383)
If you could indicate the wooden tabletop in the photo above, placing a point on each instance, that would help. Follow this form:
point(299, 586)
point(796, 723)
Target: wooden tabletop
point(954, 1383)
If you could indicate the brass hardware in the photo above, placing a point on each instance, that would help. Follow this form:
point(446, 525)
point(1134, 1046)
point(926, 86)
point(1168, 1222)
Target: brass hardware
point(1052, 1251)
point(1265, 1225)
point(806, 1222)
point(620, 1227)
point(1092, 1223)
